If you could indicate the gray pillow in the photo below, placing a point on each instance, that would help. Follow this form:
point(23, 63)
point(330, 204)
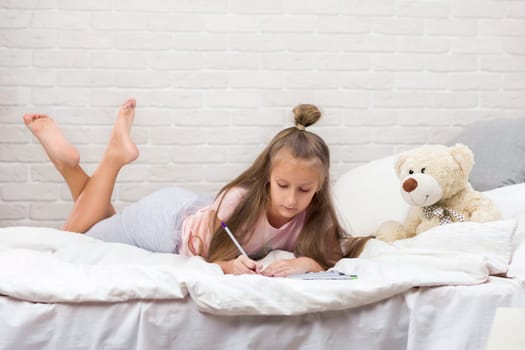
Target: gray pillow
point(499, 152)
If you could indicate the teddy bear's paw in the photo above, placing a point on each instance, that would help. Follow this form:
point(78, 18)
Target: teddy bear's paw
point(390, 231)
point(490, 214)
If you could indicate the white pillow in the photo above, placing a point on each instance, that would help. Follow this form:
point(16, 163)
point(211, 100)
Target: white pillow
point(368, 195)
point(510, 199)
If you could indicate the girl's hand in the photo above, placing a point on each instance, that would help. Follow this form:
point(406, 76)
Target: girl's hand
point(241, 265)
point(282, 268)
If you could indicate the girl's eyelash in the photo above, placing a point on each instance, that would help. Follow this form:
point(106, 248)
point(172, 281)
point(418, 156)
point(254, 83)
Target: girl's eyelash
point(301, 189)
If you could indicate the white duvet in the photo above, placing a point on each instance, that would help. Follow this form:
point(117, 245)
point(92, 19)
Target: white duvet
point(47, 265)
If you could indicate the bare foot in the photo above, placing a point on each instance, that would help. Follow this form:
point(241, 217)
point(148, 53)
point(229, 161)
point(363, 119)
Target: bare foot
point(58, 149)
point(120, 147)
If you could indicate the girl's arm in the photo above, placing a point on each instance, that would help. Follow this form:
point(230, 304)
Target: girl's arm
point(282, 268)
point(331, 254)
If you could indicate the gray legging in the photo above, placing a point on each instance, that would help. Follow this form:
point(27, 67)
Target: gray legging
point(153, 223)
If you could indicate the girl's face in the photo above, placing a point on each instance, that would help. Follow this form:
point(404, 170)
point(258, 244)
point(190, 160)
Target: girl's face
point(293, 183)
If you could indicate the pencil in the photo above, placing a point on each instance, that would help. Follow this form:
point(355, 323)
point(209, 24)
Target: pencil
point(229, 232)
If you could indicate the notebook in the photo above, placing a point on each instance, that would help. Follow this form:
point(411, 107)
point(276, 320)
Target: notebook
point(323, 275)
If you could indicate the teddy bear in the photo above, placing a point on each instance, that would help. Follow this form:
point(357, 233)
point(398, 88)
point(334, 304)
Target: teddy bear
point(435, 182)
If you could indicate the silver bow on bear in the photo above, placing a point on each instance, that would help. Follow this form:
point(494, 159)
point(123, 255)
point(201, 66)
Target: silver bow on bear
point(445, 215)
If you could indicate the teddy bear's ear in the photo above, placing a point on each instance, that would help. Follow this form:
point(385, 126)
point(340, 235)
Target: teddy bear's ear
point(400, 160)
point(464, 156)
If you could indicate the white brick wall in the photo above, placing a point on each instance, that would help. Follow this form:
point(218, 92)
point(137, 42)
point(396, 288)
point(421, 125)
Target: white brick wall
point(216, 79)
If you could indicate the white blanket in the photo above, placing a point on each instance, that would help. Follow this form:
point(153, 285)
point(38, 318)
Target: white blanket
point(47, 265)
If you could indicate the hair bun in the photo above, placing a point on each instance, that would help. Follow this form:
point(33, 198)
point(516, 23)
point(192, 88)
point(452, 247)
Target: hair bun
point(306, 115)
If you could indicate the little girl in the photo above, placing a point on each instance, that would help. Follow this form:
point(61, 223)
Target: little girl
point(281, 201)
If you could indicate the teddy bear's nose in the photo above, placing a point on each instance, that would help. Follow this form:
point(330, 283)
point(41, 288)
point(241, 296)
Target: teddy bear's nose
point(409, 185)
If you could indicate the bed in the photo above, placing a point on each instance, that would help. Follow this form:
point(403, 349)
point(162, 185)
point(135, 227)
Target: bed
point(441, 289)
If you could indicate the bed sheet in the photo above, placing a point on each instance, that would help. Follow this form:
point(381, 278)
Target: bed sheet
point(179, 324)
point(459, 317)
point(447, 317)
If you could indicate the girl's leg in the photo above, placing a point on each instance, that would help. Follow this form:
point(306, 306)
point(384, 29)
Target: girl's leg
point(94, 202)
point(62, 154)
point(92, 196)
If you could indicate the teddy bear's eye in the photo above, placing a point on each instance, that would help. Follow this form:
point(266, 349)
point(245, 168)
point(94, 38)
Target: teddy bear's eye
point(411, 171)
point(423, 170)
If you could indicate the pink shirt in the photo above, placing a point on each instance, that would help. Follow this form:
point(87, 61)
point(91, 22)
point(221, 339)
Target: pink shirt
point(265, 237)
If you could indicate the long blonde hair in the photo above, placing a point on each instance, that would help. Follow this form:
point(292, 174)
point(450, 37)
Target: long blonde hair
point(311, 242)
